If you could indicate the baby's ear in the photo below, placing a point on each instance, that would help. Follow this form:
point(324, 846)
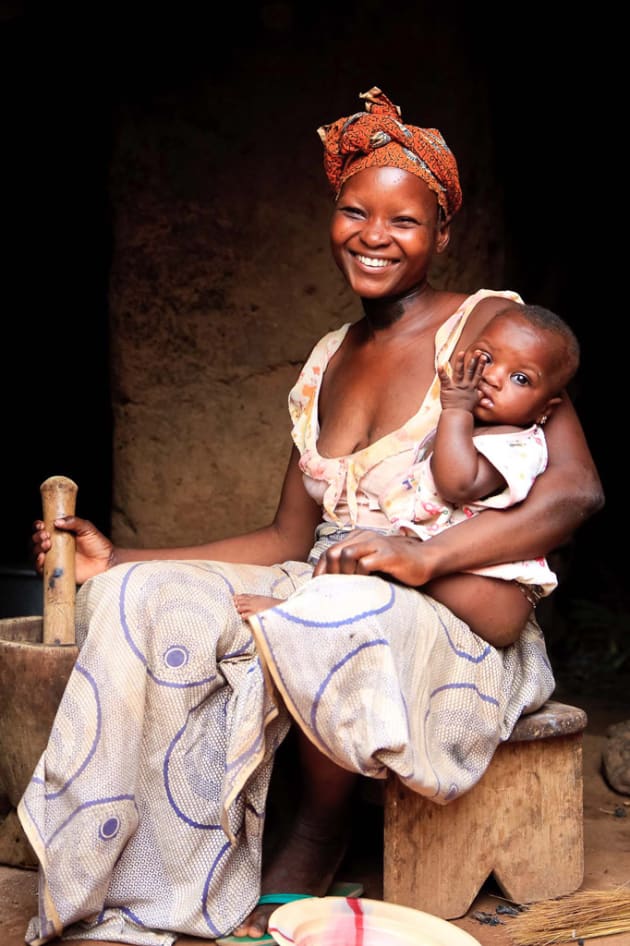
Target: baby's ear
point(548, 410)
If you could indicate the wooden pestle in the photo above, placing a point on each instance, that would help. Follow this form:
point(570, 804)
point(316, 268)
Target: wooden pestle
point(58, 499)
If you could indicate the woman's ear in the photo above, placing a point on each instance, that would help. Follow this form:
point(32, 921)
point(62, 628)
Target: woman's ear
point(443, 235)
point(548, 410)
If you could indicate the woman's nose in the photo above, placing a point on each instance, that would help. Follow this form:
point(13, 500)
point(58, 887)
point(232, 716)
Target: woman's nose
point(374, 233)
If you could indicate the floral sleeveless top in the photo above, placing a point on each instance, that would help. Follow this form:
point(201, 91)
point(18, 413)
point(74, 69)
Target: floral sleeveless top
point(368, 488)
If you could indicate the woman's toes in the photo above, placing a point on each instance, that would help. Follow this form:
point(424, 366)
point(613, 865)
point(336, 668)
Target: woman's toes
point(255, 925)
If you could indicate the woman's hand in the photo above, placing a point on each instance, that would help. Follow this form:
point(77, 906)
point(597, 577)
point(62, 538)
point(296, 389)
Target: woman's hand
point(94, 551)
point(401, 557)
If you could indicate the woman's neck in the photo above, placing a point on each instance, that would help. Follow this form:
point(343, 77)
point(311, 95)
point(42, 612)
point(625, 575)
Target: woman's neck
point(385, 312)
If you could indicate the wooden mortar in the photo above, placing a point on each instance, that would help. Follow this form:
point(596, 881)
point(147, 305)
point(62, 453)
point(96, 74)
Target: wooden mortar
point(37, 655)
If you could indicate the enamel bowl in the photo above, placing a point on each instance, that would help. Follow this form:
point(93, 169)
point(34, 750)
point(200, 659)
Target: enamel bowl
point(342, 921)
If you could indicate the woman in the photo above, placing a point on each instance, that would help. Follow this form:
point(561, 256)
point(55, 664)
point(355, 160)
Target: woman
point(147, 808)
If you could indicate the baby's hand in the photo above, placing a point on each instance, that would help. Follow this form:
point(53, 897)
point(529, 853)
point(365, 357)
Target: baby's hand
point(459, 388)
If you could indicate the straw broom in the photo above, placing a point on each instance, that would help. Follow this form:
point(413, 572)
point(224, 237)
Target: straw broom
point(579, 916)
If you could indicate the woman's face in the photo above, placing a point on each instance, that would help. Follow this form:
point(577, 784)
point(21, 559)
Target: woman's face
point(384, 232)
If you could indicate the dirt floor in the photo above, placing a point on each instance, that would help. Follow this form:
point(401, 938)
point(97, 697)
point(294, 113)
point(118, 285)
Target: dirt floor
point(606, 829)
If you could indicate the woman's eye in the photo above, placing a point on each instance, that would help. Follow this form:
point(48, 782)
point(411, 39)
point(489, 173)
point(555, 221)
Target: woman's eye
point(351, 211)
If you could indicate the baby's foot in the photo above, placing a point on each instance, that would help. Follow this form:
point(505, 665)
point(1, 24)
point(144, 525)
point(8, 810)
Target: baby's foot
point(252, 604)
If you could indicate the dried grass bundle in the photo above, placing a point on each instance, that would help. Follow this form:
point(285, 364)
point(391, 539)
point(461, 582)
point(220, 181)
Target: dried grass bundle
point(578, 916)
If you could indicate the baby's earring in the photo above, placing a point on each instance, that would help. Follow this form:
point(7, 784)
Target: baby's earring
point(543, 420)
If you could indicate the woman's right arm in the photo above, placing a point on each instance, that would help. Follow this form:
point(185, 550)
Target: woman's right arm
point(289, 536)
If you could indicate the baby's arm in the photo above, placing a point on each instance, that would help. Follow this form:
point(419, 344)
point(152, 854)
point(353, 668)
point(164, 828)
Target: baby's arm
point(460, 472)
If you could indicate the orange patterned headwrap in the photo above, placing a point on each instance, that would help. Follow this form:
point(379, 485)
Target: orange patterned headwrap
point(378, 138)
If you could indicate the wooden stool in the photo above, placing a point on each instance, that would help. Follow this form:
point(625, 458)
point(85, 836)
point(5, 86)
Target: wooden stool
point(522, 822)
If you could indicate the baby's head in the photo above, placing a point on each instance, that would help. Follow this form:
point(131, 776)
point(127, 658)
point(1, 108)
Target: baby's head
point(531, 355)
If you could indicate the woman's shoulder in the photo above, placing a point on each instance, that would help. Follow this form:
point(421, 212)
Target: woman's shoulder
point(485, 303)
point(323, 350)
point(328, 344)
point(303, 395)
point(474, 309)
point(479, 307)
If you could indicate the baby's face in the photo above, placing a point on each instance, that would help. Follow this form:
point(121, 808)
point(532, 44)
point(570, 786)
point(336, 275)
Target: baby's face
point(521, 371)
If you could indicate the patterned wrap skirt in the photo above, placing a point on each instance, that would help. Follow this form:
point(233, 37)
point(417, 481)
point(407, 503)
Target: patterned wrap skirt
point(147, 808)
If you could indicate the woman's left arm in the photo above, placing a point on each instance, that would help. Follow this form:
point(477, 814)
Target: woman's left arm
point(561, 499)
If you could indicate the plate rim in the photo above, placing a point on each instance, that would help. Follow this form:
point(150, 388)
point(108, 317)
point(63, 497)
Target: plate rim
point(286, 916)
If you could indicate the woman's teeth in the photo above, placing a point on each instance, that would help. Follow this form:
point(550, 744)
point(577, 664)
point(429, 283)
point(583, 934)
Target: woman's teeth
point(371, 261)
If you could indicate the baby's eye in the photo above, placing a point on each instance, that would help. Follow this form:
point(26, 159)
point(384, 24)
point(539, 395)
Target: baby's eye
point(519, 378)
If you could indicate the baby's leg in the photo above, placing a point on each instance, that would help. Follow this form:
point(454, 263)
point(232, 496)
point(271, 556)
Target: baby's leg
point(251, 604)
point(495, 609)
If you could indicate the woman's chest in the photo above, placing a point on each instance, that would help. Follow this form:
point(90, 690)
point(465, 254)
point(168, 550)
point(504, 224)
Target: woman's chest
point(365, 397)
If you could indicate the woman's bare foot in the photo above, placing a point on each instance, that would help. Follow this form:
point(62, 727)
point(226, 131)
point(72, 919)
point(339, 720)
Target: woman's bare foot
point(310, 857)
point(252, 604)
point(306, 863)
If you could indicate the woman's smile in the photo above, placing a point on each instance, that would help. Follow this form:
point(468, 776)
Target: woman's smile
point(373, 262)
